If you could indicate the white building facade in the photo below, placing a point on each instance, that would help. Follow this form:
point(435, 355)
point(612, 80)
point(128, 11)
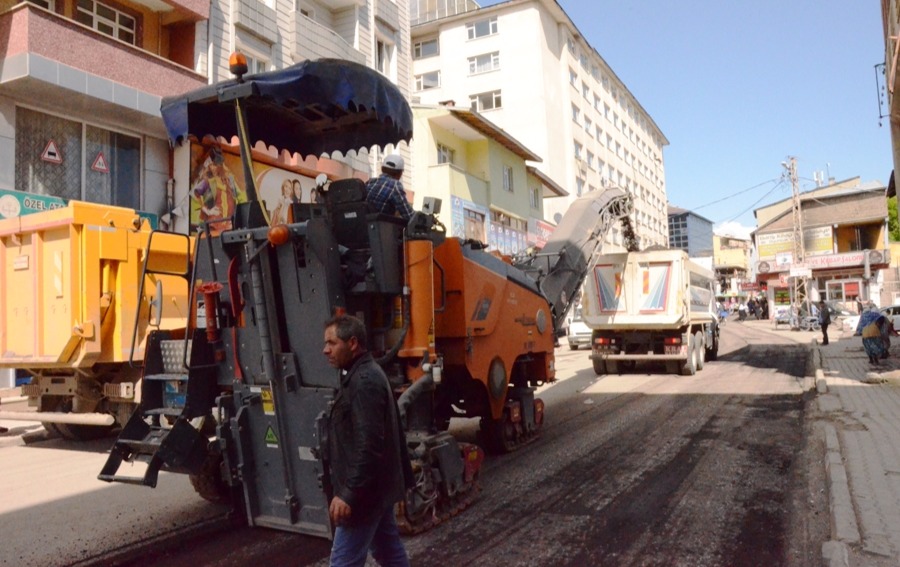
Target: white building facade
point(527, 68)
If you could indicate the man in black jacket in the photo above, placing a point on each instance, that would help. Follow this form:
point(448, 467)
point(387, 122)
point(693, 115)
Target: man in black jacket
point(824, 320)
point(370, 469)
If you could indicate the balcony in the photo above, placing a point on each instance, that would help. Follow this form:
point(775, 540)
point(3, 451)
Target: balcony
point(335, 5)
point(312, 40)
point(257, 18)
point(72, 68)
point(456, 182)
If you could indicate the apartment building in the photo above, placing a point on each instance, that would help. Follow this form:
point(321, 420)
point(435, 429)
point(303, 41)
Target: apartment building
point(526, 67)
point(81, 84)
point(731, 262)
point(489, 193)
point(890, 18)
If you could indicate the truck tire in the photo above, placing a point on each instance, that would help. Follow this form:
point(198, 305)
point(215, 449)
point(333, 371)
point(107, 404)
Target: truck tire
point(701, 350)
point(689, 365)
point(712, 351)
point(599, 367)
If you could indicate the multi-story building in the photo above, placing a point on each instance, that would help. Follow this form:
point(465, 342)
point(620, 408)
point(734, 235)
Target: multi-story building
point(731, 261)
point(526, 66)
point(479, 171)
point(81, 85)
point(890, 17)
point(845, 245)
point(690, 232)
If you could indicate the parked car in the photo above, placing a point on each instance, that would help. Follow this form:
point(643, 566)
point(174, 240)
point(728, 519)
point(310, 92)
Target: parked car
point(578, 333)
point(892, 312)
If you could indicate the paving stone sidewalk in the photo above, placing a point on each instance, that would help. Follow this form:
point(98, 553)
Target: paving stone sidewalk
point(861, 403)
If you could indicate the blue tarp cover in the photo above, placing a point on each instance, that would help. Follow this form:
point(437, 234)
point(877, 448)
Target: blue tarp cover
point(315, 107)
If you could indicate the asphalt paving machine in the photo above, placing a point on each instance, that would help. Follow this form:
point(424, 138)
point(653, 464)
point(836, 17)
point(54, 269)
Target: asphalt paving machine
point(239, 398)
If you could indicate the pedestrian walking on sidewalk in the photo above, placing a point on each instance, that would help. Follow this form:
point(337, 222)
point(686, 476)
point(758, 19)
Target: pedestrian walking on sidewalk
point(824, 320)
point(873, 339)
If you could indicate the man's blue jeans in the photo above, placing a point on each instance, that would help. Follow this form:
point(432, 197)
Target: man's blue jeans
point(380, 535)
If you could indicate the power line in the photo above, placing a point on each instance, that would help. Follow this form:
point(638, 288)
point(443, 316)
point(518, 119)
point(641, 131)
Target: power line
point(769, 192)
point(736, 194)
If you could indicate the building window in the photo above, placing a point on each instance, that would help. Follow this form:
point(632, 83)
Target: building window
point(578, 148)
point(445, 154)
point(474, 225)
point(428, 48)
point(535, 197)
point(485, 101)
point(573, 77)
point(588, 124)
point(576, 114)
point(579, 186)
point(484, 63)
point(427, 81)
point(585, 91)
point(508, 178)
point(256, 64)
point(590, 160)
point(48, 4)
point(384, 57)
point(107, 20)
point(94, 164)
point(482, 28)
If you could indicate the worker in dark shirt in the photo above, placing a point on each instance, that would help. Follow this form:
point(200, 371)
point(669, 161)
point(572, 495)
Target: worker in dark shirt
point(385, 193)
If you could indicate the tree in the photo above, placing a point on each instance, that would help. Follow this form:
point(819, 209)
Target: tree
point(893, 221)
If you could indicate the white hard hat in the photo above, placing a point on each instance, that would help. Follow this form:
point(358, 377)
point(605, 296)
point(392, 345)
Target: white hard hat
point(393, 161)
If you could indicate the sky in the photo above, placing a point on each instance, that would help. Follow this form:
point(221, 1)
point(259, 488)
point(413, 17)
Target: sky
point(737, 88)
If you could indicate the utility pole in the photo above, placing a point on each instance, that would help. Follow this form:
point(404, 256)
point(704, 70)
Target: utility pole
point(799, 282)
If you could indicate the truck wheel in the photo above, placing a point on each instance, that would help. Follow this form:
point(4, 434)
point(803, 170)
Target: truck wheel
point(599, 367)
point(712, 353)
point(700, 349)
point(689, 366)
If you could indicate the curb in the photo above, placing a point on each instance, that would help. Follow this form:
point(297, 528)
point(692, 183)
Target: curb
point(844, 528)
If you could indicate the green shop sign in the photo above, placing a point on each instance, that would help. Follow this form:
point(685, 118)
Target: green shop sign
point(18, 203)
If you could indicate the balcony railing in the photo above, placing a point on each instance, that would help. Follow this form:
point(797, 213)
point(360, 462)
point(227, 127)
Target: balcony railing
point(458, 182)
point(312, 40)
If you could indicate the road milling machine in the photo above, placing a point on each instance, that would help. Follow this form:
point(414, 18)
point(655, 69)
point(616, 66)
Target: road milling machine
point(239, 399)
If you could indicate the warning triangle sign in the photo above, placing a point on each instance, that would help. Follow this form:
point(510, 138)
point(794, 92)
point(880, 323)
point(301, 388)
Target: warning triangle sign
point(100, 164)
point(51, 153)
point(271, 438)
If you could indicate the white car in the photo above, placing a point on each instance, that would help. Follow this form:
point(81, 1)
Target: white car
point(577, 332)
point(892, 312)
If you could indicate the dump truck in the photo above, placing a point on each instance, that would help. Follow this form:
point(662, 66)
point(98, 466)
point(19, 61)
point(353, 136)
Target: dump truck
point(77, 300)
point(238, 399)
point(650, 305)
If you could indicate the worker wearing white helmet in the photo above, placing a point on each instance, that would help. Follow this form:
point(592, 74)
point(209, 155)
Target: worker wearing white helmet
point(385, 193)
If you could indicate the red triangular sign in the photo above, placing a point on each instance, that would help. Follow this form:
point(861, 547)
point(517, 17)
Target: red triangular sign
point(100, 164)
point(51, 153)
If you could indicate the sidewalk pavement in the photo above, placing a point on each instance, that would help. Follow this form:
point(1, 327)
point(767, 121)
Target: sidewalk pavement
point(860, 404)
